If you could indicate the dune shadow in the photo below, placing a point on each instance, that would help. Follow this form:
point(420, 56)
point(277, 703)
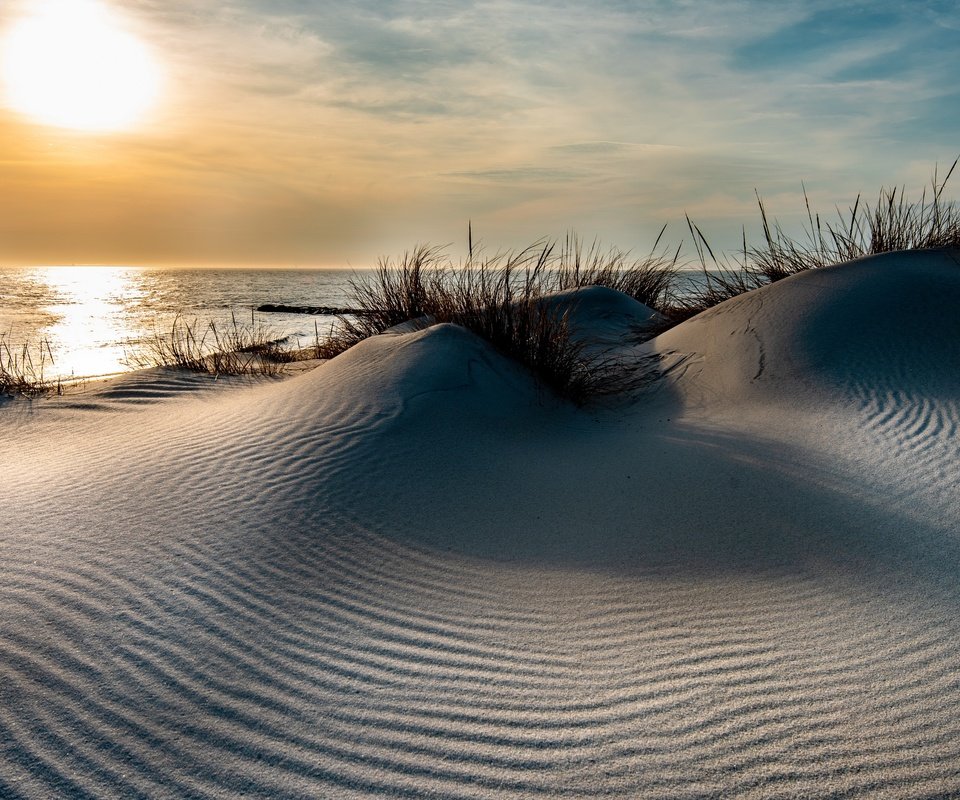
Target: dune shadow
point(586, 490)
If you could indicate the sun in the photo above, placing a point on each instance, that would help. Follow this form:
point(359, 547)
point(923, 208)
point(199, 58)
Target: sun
point(70, 64)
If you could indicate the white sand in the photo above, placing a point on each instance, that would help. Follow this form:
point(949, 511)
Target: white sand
point(410, 573)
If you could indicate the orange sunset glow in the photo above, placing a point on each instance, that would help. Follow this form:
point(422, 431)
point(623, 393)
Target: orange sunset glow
point(314, 134)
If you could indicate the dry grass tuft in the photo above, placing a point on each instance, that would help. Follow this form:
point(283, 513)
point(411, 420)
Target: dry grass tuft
point(502, 299)
point(234, 350)
point(721, 278)
point(649, 279)
point(22, 373)
point(893, 224)
point(397, 292)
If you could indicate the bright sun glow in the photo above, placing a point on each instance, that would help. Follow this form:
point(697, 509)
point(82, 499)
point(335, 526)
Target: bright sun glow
point(68, 63)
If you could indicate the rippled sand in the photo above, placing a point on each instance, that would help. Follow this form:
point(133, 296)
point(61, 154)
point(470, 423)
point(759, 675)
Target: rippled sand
point(409, 572)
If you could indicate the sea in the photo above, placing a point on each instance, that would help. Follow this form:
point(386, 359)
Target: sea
point(82, 322)
point(77, 322)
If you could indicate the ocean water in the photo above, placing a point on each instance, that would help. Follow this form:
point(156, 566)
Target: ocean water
point(83, 322)
point(93, 321)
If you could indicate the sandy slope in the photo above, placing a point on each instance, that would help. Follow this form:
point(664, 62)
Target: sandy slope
point(411, 572)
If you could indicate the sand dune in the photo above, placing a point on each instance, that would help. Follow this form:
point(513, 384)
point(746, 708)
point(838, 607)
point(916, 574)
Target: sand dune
point(411, 572)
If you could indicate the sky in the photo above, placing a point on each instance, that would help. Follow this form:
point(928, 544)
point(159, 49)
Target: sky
point(312, 133)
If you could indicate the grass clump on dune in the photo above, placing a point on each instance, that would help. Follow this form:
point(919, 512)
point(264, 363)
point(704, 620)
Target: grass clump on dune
point(22, 374)
point(397, 292)
point(502, 303)
point(231, 350)
point(502, 299)
point(893, 224)
point(720, 279)
point(649, 280)
point(505, 298)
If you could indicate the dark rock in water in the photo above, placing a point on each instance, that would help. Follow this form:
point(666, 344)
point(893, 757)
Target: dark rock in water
point(329, 311)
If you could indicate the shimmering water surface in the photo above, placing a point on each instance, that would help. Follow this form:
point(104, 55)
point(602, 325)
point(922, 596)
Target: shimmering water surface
point(94, 320)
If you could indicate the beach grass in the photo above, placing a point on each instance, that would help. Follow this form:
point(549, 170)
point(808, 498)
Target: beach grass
point(397, 292)
point(23, 370)
point(894, 223)
point(234, 349)
point(501, 298)
point(649, 279)
point(721, 278)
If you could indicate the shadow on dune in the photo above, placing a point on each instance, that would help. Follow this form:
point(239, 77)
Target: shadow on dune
point(594, 491)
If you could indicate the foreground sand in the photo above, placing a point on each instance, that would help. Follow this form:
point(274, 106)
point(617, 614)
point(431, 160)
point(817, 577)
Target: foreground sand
point(409, 573)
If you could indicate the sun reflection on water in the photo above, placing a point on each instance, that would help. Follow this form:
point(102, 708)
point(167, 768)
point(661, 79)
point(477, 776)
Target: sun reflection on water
point(87, 314)
point(101, 320)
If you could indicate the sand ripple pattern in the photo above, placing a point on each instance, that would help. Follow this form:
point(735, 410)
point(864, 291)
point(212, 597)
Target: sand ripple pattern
point(206, 617)
point(910, 410)
point(916, 422)
point(341, 664)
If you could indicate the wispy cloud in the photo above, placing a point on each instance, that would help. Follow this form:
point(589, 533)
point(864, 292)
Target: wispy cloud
point(601, 148)
point(520, 175)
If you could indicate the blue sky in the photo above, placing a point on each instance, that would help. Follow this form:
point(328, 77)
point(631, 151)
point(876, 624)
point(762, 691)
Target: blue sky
point(298, 132)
